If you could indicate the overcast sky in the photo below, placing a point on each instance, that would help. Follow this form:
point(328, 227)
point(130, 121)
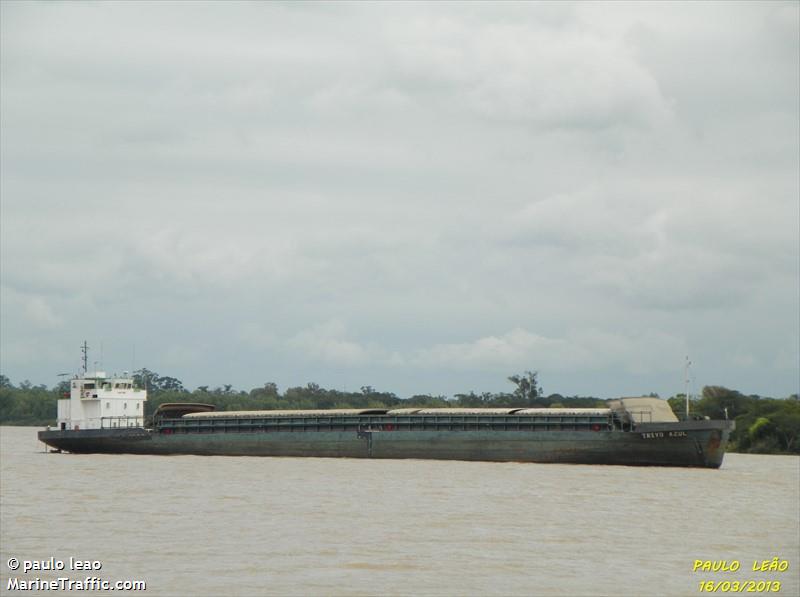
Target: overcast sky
point(425, 198)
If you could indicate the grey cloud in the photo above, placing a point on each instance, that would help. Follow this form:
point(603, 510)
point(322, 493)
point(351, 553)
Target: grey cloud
point(387, 194)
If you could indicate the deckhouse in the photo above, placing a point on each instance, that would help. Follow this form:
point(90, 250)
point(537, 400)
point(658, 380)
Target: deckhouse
point(97, 401)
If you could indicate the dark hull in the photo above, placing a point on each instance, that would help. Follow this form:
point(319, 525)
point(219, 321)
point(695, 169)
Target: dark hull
point(693, 443)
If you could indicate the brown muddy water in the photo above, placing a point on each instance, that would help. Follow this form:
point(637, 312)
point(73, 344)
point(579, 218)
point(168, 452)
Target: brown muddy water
point(199, 525)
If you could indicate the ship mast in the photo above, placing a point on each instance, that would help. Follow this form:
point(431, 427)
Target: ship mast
point(686, 384)
point(85, 357)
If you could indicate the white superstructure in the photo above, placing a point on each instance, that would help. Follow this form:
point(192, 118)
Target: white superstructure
point(98, 402)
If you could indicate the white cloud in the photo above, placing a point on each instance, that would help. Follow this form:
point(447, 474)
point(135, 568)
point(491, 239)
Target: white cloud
point(327, 342)
point(528, 72)
point(576, 351)
point(40, 313)
point(34, 311)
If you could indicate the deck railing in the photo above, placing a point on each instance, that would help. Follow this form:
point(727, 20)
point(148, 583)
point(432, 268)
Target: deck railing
point(397, 423)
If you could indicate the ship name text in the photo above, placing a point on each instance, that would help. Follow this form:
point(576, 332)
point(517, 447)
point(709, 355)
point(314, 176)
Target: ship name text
point(660, 434)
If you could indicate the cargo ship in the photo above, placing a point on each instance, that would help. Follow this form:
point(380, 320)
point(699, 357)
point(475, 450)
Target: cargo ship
point(106, 415)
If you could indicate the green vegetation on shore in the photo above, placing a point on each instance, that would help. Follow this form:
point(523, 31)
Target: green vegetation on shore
point(763, 425)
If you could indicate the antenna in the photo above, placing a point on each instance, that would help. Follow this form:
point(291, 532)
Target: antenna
point(686, 384)
point(85, 357)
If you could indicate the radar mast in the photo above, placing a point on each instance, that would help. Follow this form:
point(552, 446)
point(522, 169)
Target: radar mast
point(85, 357)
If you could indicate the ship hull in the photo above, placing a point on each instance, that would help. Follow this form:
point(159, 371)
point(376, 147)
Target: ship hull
point(692, 444)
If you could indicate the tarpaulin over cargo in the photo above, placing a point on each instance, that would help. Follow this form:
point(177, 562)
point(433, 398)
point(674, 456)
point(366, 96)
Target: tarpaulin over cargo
point(565, 412)
point(233, 414)
point(645, 410)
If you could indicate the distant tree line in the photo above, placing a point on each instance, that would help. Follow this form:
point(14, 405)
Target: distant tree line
point(763, 425)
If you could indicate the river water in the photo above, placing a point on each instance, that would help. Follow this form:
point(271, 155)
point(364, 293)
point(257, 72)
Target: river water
point(195, 525)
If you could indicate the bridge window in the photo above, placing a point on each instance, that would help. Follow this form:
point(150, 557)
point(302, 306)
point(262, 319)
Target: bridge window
point(125, 405)
point(108, 405)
